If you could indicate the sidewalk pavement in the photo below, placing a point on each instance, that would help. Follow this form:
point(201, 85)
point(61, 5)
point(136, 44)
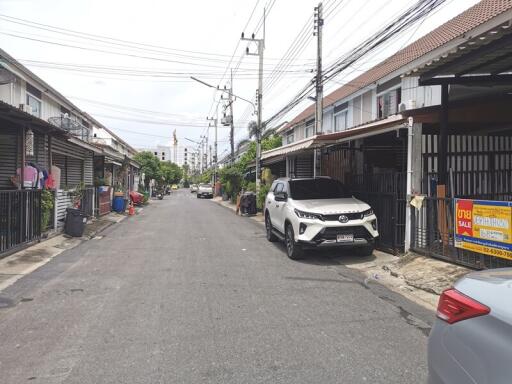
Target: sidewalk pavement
point(19, 264)
point(228, 204)
point(419, 278)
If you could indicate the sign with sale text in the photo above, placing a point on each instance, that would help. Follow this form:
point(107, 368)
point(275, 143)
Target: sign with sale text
point(484, 226)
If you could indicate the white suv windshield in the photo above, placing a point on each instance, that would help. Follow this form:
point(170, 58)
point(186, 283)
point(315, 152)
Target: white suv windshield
point(314, 189)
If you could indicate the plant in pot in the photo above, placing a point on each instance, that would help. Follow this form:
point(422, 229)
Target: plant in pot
point(47, 205)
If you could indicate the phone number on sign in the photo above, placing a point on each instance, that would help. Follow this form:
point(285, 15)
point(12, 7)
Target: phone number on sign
point(497, 252)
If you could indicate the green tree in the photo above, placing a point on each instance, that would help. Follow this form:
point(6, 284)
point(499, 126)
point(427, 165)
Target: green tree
point(149, 165)
point(186, 171)
point(231, 178)
point(171, 173)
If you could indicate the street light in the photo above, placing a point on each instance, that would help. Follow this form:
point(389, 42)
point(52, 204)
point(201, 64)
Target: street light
point(223, 90)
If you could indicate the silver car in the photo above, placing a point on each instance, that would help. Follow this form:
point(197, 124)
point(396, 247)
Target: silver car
point(471, 340)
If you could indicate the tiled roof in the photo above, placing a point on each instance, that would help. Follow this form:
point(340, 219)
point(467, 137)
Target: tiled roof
point(456, 27)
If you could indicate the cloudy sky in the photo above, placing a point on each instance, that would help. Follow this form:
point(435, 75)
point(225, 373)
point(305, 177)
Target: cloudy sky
point(128, 63)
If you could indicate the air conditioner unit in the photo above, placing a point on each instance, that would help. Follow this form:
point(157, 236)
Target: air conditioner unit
point(226, 120)
point(26, 108)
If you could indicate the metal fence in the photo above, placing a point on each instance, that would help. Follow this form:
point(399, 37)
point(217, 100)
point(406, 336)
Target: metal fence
point(488, 184)
point(432, 234)
point(20, 218)
point(385, 193)
point(87, 202)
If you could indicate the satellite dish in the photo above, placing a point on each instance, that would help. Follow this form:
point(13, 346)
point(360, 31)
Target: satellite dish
point(6, 77)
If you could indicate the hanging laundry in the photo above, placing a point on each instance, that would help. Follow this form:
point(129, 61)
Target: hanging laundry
point(30, 176)
point(50, 182)
point(55, 172)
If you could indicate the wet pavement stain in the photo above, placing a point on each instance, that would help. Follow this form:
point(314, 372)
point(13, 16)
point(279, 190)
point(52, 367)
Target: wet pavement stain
point(6, 303)
point(30, 256)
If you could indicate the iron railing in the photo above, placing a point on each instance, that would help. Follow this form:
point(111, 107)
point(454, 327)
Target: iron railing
point(74, 127)
point(432, 234)
point(88, 201)
point(20, 218)
point(488, 184)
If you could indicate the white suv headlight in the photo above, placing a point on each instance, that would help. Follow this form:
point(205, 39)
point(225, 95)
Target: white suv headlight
point(368, 212)
point(308, 215)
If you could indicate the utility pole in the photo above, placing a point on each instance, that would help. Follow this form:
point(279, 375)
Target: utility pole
point(232, 130)
point(215, 122)
point(259, 98)
point(319, 110)
point(232, 98)
point(317, 31)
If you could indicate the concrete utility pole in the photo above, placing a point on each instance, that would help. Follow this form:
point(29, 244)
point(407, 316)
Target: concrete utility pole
point(206, 146)
point(215, 121)
point(317, 31)
point(232, 130)
point(259, 98)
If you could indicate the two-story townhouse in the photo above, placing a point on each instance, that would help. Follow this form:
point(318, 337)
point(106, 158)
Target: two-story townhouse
point(430, 120)
point(115, 168)
point(44, 142)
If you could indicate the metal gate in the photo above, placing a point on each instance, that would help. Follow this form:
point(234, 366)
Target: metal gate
point(385, 193)
point(20, 218)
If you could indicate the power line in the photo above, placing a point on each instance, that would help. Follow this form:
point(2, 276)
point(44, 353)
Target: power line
point(158, 49)
point(402, 22)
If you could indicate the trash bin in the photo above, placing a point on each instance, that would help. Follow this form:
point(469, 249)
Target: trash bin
point(75, 222)
point(118, 204)
point(248, 204)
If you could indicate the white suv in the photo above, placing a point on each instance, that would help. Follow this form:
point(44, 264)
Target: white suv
point(319, 212)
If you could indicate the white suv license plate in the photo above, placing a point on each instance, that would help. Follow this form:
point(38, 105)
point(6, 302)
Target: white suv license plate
point(345, 238)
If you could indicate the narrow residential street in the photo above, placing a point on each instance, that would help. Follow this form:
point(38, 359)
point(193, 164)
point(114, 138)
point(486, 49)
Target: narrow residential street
point(186, 292)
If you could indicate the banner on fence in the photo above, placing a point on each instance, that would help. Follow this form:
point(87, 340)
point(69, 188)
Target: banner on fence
point(484, 226)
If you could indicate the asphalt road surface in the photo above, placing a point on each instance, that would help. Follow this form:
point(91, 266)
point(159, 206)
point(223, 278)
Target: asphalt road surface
point(187, 292)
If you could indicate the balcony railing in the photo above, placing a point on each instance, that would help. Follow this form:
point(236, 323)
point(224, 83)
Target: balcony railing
point(73, 127)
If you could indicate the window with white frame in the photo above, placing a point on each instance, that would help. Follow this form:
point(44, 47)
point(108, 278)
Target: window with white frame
point(340, 121)
point(34, 100)
point(310, 128)
point(340, 118)
point(388, 102)
point(289, 136)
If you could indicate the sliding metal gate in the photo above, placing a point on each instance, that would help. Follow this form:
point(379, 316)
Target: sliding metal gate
point(385, 193)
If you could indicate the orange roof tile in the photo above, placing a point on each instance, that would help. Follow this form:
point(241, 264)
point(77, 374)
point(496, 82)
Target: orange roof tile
point(459, 25)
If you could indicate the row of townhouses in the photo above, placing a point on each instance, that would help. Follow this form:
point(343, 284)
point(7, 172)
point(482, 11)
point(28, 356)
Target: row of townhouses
point(431, 123)
point(47, 143)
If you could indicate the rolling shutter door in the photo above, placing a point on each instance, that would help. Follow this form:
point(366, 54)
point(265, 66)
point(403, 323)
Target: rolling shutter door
point(88, 170)
point(74, 171)
point(8, 156)
point(304, 166)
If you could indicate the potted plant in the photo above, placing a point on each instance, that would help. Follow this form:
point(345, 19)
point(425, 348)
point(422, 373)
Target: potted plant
point(47, 204)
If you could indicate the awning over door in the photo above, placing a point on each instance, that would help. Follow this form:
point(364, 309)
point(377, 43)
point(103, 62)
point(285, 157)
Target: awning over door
point(306, 145)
